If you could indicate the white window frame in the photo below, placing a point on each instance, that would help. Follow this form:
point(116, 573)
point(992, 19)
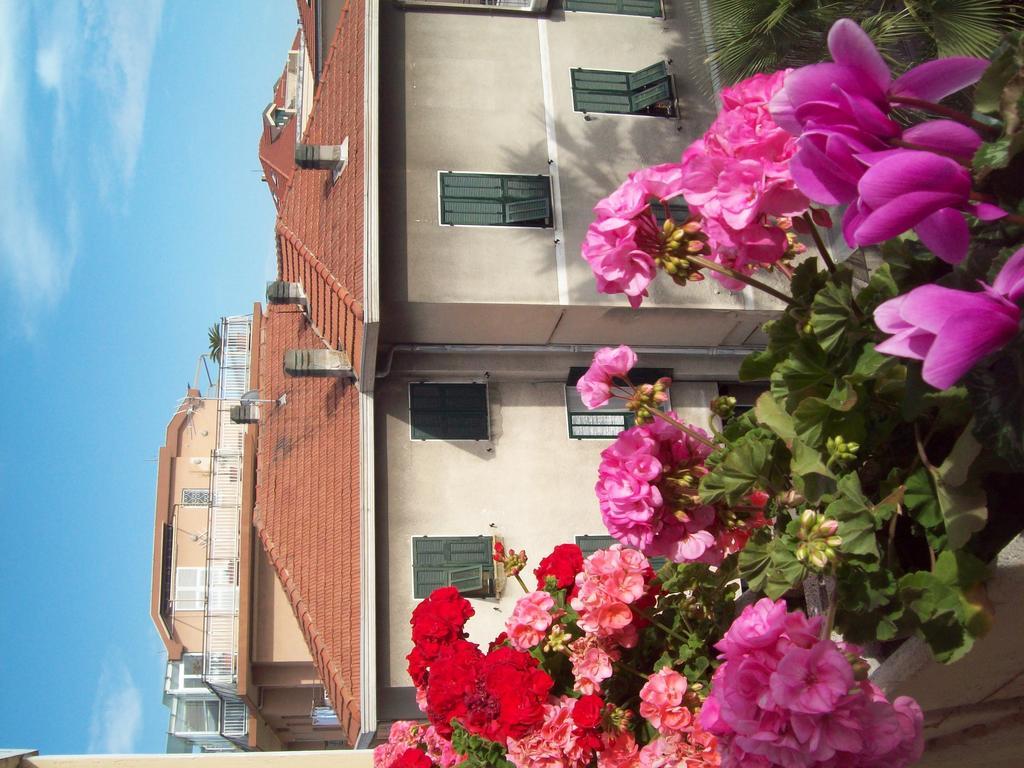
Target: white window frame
point(190, 596)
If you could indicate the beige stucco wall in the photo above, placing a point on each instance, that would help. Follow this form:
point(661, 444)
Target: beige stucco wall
point(531, 484)
point(276, 634)
point(190, 468)
point(464, 91)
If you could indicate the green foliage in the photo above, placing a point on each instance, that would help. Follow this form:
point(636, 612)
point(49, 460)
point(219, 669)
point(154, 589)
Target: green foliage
point(751, 36)
point(479, 752)
point(215, 343)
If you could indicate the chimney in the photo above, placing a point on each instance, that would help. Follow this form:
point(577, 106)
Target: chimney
point(281, 292)
point(323, 157)
point(317, 362)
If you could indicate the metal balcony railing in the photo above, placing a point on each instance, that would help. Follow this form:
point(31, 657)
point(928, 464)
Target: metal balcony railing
point(220, 618)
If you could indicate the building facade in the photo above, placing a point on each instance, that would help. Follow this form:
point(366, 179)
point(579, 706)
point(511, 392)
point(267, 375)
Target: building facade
point(239, 675)
point(432, 314)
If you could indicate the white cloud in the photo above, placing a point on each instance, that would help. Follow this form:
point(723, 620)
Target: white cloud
point(92, 64)
point(116, 711)
point(50, 67)
point(35, 258)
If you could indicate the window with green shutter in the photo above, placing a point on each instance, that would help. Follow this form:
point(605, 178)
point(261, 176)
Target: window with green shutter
point(650, 8)
point(448, 411)
point(590, 544)
point(677, 207)
point(463, 562)
point(646, 92)
point(494, 200)
point(606, 422)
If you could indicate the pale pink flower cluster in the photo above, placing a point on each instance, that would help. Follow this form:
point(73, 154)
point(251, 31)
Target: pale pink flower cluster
point(640, 513)
point(555, 744)
point(591, 660)
point(784, 697)
point(737, 178)
point(609, 363)
point(661, 701)
point(693, 748)
point(611, 581)
point(683, 749)
point(619, 243)
point(406, 735)
point(530, 620)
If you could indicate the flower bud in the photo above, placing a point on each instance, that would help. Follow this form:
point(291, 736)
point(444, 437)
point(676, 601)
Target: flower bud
point(818, 559)
point(801, 553)
point(807, 519)
point(834, 541)
point(827, 528)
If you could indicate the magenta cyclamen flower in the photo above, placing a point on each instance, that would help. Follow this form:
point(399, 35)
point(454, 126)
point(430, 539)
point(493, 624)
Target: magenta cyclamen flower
point(840, 111)
point(920, 191)
point(951, 330)
point(785, 697)
point(609, 364)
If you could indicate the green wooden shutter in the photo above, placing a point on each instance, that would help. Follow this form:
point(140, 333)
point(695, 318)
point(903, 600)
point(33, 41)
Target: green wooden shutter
point(650, 8)
point(649, 96)
point(464, 562)
point(620, 92)
point(448, 411)
point(647, 76)
point(468, 578)
point(494, 199)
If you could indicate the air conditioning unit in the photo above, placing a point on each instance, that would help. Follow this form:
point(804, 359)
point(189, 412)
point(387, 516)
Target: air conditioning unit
point(245, 413)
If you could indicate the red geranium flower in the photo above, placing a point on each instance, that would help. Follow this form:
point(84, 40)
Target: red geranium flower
point(563, 563)
point(439, 620)
point(413, 758)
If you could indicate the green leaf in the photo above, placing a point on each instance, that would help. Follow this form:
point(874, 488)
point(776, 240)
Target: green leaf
point(920, 500)
point(939, 612)
point(869, 365)
point(992, 155)
point(960, 569)
point(989, 90)
point(832, 316)
point(963, 504)
point(998, 399)
point(755, 559)
point(807, 281)
point(881, 287)
point(770, 414)
point(757, 365)
point(858, 518)
point(842, 397)
point(785, 571)
point(810, 475)
point(738, 472)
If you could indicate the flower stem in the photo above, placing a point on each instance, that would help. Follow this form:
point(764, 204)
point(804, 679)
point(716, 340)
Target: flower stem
point(632, 670)
point(683, 428)
point(941, 109)
point(700, 261)
point(818, 241)
point(521, 582)
point(663, 627)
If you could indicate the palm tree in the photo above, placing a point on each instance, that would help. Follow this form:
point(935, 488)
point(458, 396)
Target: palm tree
point(215, 342)
point(751, 36)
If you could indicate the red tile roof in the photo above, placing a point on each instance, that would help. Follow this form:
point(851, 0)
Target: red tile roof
point(277, 153)
point(307, 494)
point(307, 506)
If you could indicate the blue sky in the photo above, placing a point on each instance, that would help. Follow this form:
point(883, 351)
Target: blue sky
point(131, 218)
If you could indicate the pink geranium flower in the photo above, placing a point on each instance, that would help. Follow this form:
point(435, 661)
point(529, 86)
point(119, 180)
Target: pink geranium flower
point(591, 663)
point(530, 620)
point(611, 581)
point(811, 681)
point(609, 364)
point(951, 330)
point(785, 697)
point(661, 701)
point(556, 744)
